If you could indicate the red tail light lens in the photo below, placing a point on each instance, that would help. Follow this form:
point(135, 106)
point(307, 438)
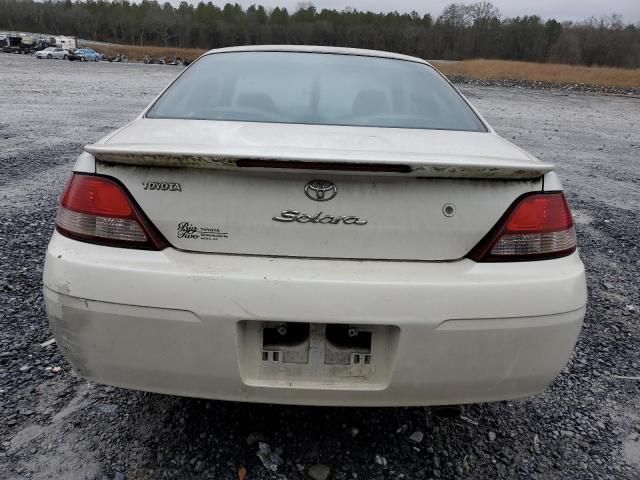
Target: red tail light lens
point(536, 227)
point(99, 210)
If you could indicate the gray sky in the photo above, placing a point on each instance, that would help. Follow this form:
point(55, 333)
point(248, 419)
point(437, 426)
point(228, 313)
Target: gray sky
point(559, 9)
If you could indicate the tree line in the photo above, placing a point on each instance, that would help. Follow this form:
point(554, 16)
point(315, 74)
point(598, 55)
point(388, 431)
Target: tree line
point(461, 31)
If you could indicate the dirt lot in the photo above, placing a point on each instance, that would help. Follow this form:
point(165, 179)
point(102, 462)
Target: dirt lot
point(55, 425)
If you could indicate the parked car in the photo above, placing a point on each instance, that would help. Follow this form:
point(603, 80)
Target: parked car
point(315, 225)
point(85, 55)
point(53, 52)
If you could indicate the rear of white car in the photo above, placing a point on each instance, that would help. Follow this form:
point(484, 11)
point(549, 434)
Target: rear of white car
point(336, 256)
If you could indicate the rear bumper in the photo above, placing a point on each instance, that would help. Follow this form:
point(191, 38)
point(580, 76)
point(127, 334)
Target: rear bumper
point(180, 323)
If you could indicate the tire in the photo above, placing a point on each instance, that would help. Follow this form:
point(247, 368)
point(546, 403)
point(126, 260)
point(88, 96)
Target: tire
point(49, 57)
point(64, 57)
point(95, 59)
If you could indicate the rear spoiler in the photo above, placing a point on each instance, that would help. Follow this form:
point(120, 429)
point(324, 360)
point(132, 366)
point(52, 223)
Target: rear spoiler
point(380, 163)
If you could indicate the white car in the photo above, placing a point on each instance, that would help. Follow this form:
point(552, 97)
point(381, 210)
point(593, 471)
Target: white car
point(53, 52)
point(314, 225)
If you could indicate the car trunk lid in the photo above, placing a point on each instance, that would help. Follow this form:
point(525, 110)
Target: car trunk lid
point(395, 194)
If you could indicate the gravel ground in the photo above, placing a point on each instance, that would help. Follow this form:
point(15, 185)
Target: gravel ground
point(538, 85)
point(56, 425)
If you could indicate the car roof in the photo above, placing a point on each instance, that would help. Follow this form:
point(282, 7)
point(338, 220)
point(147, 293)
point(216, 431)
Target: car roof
point(318, 49)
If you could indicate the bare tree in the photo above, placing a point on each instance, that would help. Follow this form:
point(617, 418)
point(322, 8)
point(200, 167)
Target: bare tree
point(455, 15)
point(482, 11)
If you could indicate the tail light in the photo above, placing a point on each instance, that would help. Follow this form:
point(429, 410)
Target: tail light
point(536, 227)
point(99, 210)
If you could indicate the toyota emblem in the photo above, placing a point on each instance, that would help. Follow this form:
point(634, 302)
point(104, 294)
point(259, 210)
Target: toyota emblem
point(320, 190)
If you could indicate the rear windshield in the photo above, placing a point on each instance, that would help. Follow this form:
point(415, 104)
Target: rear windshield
point(316, 88)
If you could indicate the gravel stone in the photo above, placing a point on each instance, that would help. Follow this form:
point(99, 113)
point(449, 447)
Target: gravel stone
point(254, 437)
point(380, 460)
point(536, 445)
point(319, 472)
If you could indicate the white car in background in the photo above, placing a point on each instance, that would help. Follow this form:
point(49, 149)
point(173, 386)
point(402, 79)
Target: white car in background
point(53, 52)
point(314, 225)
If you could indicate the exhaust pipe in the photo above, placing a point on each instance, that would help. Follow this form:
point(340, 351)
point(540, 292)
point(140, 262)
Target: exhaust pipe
point(446, 411)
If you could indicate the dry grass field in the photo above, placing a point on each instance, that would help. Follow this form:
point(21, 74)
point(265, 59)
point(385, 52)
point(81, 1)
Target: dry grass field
point(477, 69)
point(542, 72)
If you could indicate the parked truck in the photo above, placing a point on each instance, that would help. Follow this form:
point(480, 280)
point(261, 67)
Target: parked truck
point(29, 44)
point(68, 43)
point(12, 43)
point(19, 43)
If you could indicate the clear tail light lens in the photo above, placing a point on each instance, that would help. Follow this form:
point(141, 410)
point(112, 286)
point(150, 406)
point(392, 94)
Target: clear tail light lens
point(536, 227)
point(99, 210)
